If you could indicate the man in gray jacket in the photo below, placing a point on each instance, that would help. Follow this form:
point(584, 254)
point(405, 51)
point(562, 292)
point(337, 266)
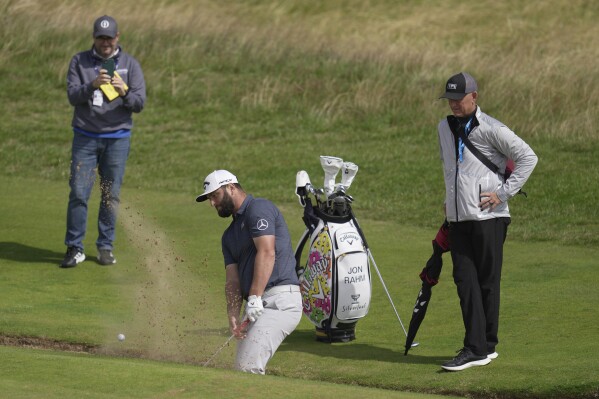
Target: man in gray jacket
point(105, 86)
point(476, 207)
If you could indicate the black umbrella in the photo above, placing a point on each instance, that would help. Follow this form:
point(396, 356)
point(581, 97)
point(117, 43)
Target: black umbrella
point(430, 277)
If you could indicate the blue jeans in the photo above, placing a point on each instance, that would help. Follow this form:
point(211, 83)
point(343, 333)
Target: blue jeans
point(109, 157)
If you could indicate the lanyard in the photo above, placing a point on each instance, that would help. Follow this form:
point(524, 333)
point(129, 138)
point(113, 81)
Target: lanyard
point(461, 143)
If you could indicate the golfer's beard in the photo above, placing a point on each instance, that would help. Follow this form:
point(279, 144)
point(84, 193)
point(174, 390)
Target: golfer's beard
point(226, 207)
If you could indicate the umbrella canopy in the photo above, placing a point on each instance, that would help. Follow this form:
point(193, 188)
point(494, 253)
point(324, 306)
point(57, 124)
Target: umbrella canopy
point(430, 277)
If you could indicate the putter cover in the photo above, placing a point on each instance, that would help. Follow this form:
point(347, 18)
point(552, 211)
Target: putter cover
point(109, 91)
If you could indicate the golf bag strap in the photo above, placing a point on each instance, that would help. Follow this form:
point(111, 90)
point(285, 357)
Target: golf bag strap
point(300, 249)
point(310, 219)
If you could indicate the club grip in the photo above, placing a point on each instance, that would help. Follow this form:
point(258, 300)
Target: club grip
point(244, 324)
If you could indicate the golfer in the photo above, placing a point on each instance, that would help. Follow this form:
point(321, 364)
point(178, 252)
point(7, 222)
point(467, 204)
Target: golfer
point(477, 211)
point(259, 267)
point(102, 126)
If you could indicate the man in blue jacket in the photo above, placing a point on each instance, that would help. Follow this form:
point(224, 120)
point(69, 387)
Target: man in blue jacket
point(105, 86)
point(477, 211)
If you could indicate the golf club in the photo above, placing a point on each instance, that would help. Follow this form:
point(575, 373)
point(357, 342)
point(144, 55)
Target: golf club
point(316, 192)
point(241, 327)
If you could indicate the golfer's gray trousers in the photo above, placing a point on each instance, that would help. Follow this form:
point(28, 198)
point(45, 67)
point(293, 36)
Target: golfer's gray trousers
point(282, 314)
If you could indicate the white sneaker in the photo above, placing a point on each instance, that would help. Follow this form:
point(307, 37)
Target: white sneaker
point(465, 359)
point(493, 355)
point(73, 257)
point(105, 257)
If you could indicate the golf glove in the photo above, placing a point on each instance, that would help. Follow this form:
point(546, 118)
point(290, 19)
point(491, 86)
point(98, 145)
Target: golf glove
point(254, 307)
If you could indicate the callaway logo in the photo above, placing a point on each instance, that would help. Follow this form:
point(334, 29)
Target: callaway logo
point(104, 24)
point(262, 224)
point(349, 237)
point(452, 86)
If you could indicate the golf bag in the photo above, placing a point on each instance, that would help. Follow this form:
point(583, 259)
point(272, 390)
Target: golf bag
point(335, 279)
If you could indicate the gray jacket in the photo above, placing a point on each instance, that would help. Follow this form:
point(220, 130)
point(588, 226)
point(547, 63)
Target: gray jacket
point(111, 116)
point(464, 181)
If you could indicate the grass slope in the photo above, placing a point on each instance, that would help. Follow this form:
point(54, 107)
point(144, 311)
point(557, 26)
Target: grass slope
point(175, 311)
point(352, 79)
point(263, 87)
point(29, 373)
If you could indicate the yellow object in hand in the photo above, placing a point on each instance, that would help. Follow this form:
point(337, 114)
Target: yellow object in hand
point(124, 84)
point(109, 90)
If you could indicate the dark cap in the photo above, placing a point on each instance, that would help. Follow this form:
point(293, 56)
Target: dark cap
point(105, 26)
point(458, 86)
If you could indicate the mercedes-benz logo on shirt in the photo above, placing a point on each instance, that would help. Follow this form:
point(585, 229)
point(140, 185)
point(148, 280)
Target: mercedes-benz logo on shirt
point(262, 224)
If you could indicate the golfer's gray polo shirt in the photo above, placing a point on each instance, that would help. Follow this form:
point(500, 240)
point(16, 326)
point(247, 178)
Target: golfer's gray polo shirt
point(258, 217)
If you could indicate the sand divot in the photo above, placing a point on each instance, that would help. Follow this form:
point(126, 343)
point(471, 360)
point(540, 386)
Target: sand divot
point(174, 313)
point(163, 328)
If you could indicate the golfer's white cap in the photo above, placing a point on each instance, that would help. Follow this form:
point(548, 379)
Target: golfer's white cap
point(214, 181)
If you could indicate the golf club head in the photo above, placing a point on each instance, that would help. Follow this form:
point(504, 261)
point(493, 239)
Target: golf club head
point(348, 173)
point(331, 167)
point(302, 181)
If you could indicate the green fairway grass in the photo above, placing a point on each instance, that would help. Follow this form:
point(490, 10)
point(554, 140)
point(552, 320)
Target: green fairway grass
point(29, 373)
point(166, 295)
point(262, 88)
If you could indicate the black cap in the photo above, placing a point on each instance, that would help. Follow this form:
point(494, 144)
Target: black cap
point(459, 85)
point(105, 26)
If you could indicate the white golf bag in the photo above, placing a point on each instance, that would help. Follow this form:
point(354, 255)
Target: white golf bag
point(335, 280)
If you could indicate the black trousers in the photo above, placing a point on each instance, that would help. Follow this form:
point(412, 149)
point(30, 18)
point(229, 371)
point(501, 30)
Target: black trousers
point(477, 255)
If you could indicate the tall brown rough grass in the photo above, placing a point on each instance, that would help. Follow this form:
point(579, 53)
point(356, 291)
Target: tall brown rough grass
point(534, 61)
